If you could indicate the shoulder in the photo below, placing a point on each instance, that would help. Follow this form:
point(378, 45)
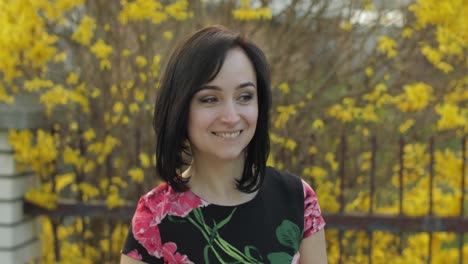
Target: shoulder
point(283, 185)
point(163, 200)
point(282, 178)
point(152, 209)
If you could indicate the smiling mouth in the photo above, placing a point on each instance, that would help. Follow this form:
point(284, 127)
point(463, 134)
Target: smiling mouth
point(228, 135)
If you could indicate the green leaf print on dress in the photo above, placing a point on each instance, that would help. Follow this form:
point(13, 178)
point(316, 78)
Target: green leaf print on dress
point(217, 245)
point(288, 234)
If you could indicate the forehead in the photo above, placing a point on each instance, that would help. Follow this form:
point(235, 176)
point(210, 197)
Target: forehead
point(236, 68)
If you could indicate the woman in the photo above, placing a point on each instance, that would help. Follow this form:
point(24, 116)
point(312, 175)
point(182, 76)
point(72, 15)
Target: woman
point(220, 203)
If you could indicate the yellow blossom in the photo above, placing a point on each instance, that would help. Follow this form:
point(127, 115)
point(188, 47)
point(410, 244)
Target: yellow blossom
point(406, 125)
point(118, 107)
point(139, 95)
point(168, 35)
point(36, 84)
point(96, 93)
point(140, 10)
point(285, 112)
point(284, 87)
point(435, 57)
point(55, 96)
point(126, 52)
point(113, 199)
point(144, 160)
point(178, 10)
point(105, 64)
point(346, 26)
point(4, 96)
point(387, 46)
point(246, 12)
point(316, 172)
point(313, 150)
point(415, 98)
point(317, 124)
point(133, 108)
point(141, 61)
point(74, 126)
point(136, 174)
point(85, 31)
point(89, 135)
point(101, 49)
point(60, 57)
point(407, 32)
point(72, 78)
point(290, 144)
point(450, 117)
point(330, 158)
point(88, 190)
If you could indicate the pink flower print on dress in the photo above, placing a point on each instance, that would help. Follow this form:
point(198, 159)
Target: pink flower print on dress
point(134, 254)
point(153, 208)
point(296, 258)
point(171, 257)
point(313, 220)
point(181, 204)
point(145, 230)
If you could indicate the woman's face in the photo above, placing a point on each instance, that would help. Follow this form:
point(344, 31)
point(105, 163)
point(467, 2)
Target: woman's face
point(223, 114)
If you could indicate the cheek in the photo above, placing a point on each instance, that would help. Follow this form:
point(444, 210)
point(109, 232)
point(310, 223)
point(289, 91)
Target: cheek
point(252, 116)
point(199, 119)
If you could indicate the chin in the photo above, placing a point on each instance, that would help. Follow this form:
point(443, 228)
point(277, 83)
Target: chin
point(229, 156)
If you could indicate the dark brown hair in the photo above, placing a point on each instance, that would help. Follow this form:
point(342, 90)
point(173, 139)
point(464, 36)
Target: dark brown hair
point(194, 62)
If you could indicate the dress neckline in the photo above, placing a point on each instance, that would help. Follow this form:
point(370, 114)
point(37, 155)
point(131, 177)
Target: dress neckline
point(243, 204)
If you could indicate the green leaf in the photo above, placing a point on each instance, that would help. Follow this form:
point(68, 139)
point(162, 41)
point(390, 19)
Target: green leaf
point(225, 221)
point(279, 258)
point(249, 250)
point(206, 254)
point(176, 219)
point(289, 234)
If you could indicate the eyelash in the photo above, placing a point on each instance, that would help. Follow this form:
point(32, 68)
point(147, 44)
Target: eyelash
point(211, 99)
point(246, 97)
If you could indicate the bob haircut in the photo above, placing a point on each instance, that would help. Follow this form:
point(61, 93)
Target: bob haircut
point(194, 62)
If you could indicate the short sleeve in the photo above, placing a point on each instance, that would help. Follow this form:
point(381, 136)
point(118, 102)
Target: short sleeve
point(132, 248)
point(313, 220)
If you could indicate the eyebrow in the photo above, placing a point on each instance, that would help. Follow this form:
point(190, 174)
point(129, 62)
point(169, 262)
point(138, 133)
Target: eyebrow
point(214, 87)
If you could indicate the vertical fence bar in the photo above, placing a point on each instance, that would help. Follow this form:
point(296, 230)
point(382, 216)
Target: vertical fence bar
point(431, 195)
point(400, 192)
point(137, 157)
point(342, 189)
point(80, 177)
point(55, 224)
point(370, 233)
point(342, 172)
point(462, 200)
point(109, 235)
point(109, 171)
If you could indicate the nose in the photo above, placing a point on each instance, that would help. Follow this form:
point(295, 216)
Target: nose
point(230, 114)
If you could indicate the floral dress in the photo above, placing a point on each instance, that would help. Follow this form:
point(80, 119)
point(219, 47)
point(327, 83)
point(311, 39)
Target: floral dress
point(173, 227)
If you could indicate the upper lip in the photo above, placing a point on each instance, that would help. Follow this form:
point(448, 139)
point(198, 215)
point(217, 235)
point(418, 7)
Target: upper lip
point(227, 132)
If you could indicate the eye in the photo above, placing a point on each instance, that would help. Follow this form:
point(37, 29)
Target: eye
point(245, 97)
point(208, 99)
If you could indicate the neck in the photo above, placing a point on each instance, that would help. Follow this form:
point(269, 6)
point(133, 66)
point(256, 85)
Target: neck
point(215, 181)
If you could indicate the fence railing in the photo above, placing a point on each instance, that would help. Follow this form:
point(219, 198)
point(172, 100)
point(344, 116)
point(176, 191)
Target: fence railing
point(342, 221)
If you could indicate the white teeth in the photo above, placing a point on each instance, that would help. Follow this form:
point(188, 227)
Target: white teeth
point(228, 135)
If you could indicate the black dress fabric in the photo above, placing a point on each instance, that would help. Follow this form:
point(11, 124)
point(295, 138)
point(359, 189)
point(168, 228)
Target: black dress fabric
point(171, 227)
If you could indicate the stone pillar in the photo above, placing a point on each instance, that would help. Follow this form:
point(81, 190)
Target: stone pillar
point(19, 241)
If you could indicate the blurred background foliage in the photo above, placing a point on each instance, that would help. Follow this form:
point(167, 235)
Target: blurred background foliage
point(341, 69)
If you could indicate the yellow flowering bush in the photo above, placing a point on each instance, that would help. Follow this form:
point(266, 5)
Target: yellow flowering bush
point(334, 88)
